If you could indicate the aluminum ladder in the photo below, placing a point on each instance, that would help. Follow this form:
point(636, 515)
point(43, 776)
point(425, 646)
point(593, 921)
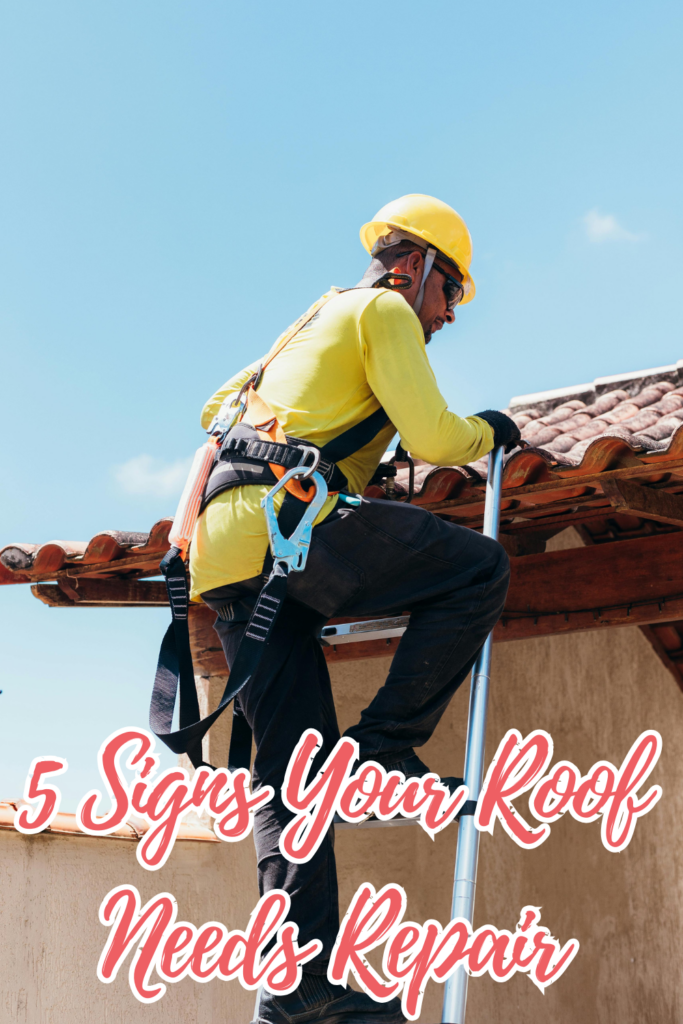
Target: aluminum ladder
point(467, 855)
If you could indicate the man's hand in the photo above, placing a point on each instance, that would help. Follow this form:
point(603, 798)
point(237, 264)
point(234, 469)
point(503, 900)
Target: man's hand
point(505, 430)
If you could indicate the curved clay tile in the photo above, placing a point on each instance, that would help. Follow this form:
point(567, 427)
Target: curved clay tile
point(110, 545)
point(668, 404)
point(620, 412)
point(157, 539)
point(18, 556)
point(527, 466)
point(545, 436)
point(564, 443)
point(664, 427)
point(644, 418)
point(8, 576)
point(589, 430)
point(674, 446)
point(442, 483)
point(610, 451)
point(652, 393)
point(55, 554)
point(580, 419)
point(523, 419)
point(13, 559)
point(607, 402)
point(564, 411)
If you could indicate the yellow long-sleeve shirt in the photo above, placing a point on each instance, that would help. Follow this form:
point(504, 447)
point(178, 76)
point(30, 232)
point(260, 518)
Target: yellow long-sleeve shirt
point(364, 349)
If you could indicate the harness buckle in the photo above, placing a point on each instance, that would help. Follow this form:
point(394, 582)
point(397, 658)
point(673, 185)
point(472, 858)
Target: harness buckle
point(225, 419)
point(291, 552)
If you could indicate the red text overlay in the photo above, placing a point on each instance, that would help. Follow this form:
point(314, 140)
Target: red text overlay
point(606, 792)
point(177, 949)
point(520, 765)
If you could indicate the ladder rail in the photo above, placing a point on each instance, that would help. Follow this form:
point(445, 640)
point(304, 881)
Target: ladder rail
point(467, 855)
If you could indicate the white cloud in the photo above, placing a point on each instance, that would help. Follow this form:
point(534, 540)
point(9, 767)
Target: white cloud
point(152, 478)
point(604, 227)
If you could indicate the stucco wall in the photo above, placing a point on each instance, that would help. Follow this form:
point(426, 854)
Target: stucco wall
point(594, 693)
point(51, 887)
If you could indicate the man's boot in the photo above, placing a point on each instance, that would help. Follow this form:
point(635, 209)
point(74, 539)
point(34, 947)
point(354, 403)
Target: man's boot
point(316, 1001)
point(412, 767)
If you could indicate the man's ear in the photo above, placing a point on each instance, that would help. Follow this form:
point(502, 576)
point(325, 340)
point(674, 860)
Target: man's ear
point(410, 266)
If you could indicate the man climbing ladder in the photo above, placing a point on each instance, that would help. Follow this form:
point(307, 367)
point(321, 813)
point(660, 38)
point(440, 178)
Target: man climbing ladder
point(330, 396)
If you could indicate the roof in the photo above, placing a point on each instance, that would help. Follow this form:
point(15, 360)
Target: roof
point(581, 439)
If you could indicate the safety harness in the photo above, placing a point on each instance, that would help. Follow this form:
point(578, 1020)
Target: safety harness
point(238, 453)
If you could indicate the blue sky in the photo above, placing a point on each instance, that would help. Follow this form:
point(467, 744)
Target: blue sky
point(180, 181)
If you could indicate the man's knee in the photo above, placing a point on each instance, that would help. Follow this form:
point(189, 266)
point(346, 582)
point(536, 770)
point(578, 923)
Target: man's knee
point(495, 570)
point(500, 579)
point(499, 557)
point(490, 558)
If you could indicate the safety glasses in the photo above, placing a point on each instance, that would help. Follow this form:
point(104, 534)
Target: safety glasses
point(452, 289)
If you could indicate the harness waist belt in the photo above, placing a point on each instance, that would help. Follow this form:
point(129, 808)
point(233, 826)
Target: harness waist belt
point(287, 455)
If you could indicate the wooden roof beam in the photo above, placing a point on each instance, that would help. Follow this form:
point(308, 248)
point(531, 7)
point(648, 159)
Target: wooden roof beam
point(645, 502)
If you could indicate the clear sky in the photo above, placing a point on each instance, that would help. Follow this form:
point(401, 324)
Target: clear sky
point(180, 181)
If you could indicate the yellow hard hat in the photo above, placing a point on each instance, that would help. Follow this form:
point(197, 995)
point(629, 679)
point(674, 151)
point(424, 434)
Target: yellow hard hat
point(434, 222)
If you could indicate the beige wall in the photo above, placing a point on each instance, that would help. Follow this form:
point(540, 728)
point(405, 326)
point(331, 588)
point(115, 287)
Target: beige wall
point(51, 887)
point(594, 692)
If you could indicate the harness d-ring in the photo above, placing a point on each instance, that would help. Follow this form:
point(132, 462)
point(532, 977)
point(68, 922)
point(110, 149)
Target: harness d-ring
point(314, 454)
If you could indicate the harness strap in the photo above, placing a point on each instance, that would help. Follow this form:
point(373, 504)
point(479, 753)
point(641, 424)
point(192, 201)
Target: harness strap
point(175, 671)
point(356, 437)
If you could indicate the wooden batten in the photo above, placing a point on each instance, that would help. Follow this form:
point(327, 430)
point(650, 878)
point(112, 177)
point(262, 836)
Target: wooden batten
point(70, 592)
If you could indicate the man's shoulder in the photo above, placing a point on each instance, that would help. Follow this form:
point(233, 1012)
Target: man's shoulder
point(356, 301)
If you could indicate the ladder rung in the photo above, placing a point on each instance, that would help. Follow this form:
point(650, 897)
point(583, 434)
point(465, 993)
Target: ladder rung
point(373, 822)
point(371, 629)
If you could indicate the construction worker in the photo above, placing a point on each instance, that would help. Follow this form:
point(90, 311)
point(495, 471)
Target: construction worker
point(362, 352)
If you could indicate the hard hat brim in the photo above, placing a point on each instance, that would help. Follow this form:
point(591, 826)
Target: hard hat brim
point(374, 229)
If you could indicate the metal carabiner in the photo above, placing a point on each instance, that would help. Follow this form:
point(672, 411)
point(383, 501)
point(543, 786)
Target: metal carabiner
point(293, 551)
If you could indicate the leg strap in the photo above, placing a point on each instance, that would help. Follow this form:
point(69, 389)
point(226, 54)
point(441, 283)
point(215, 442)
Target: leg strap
point(175, 672)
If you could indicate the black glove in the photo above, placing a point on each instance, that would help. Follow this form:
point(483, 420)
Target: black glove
point(505, 430)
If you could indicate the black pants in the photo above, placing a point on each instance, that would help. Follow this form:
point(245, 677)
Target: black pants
point(381, 557)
